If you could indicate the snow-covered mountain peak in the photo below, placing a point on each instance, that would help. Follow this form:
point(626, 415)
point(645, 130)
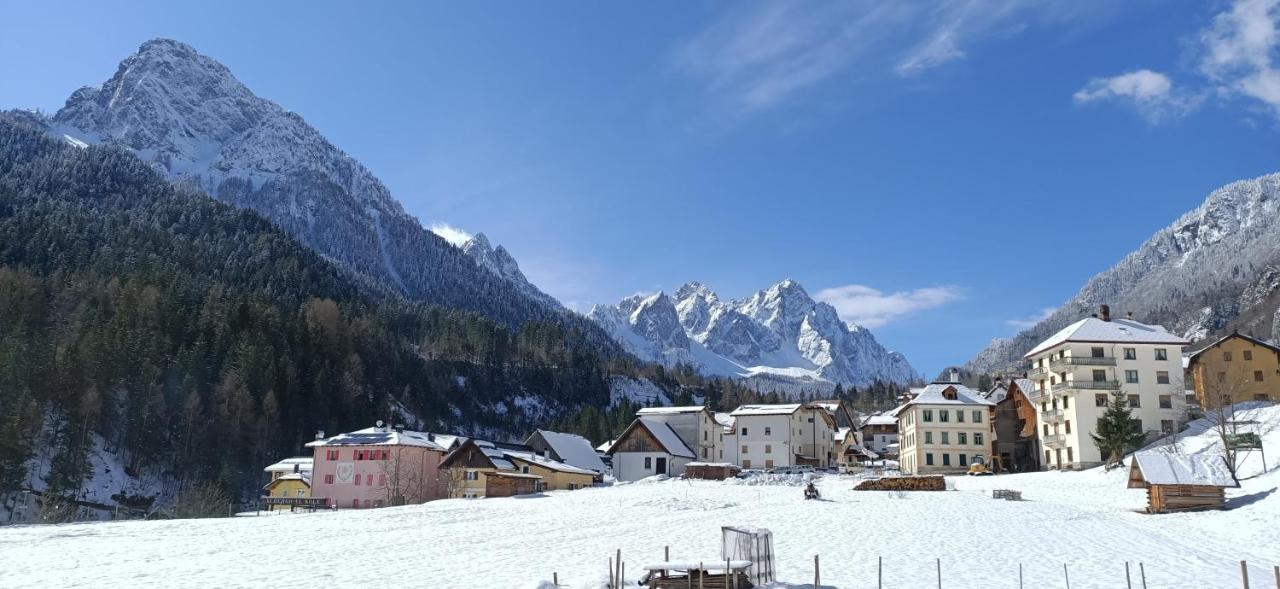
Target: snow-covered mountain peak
point(778, 334)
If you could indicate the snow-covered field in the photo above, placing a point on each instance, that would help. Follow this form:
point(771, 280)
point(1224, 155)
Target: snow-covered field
point(1087, 520)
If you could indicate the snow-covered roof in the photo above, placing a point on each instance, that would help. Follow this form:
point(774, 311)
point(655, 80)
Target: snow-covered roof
point(933, 395)
point(1189, 358)
point(1094, 330)
point(839, 434)
point(670, 410)
point(605, 446)
point(556, 465)
point(666, 437)
point(305, 478)
point(996, 394)
point(382, 436)
point(859, 449)
point(785, 409)
point(882, 419)
point(725, 420)
point(574, 450)
point(303, 464)
point(1165, 468)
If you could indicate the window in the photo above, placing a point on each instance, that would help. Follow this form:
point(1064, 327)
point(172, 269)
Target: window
point(357, 480)
point(1099, 375)
point(946, 437)
point(704, 436)
point(977, 439)
point(1162, 377)
point(944, 415)
point(1162, 354)
point(946, 460)
point(1166, 401)
point(928, 459)
point(1097, 352)
point(928, 415)
point(744, 448)
point(962, 438)
point(1100, 400)
point(1070, 455)
point(1222, 377)
point(355, 503)
point(524, 470)
point(1137, 424)
point(474, 475)
point(328, 479)
point(1067, 423)
point(1131, 376)
point(1257, 375)
point(977, 416)
point(1130, 354)
point(744, 432)
point(648, 462)
point(1135, 401)
point(1226, 356)
point(704, 452)
point(959, 416)
point(746, 464)
point(1046, 457)
point(1166, 426)
point(964, 460)
point(768, 431)
point(928, 437)
point(768, 464)
point(1248, 355)
point(1046, 429)
point(1066, 402)
point(382, 480)
point(768, 448)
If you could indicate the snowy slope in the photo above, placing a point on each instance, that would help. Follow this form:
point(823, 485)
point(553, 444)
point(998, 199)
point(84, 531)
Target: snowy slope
point(187, 115)
point(1215, 269)
point(778, 335)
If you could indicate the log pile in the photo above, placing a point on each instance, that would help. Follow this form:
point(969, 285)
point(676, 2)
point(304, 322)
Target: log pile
point(924, 483)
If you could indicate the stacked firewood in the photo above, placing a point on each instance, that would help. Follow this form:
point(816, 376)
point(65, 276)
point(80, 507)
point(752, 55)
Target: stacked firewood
point(925, 483)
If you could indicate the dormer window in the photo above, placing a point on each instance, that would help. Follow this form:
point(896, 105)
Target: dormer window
point(949, 393)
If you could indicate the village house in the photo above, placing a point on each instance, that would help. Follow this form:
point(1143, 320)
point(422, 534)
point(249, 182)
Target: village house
point(376, 467)
point(1015, 445)
point(476, 469)
point(793, 434)
point(850, 453)
point(695, 425)
point(944, 428)
point(570, 449)
point(1234, 369)
point(648, 447)
point(880, 433)
point(290, 479)
point(1181, 482)
point(840, 411)
point(1076, 371)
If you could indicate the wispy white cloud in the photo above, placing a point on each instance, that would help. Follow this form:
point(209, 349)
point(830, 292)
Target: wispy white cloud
point(1239, 51)
point(450, 233)
point(1031, 321)
point(758, 55)
point(872, 308)
point(1151, 93)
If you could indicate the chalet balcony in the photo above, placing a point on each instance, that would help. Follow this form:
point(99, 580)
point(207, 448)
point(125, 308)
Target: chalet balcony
point(1038, 373)
point(1054, 440)
point(1052, 416)
point(1072, 386)
point(1073, 361)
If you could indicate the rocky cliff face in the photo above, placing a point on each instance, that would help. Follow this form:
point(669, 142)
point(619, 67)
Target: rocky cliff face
point(779, 334)
point(190, 118)
point(1215, 269)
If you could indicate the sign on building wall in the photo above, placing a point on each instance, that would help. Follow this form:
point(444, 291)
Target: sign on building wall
point(346, 472)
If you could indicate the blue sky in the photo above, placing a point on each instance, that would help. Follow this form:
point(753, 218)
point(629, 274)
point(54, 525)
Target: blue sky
point(938, 170)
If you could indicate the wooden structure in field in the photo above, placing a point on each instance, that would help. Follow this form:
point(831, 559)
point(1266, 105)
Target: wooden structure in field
point(510, 484)
point(911, 483)
point(1180, 483)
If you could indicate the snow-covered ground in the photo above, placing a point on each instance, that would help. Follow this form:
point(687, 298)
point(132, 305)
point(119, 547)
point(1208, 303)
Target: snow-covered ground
point(1087, 520)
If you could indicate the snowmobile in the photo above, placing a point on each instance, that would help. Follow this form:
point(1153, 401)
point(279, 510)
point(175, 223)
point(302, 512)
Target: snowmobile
point(811, 492)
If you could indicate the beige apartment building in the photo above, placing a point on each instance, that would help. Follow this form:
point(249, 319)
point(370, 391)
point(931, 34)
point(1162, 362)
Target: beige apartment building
point(944, 428)
point(1076, 371)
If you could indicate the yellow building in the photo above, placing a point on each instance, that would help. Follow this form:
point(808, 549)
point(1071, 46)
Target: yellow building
point(1234, 369)
point(479, 469)
point(292, 486)
point(556, 476)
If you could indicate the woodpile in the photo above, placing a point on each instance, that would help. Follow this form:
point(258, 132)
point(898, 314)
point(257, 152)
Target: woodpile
point(924, 483)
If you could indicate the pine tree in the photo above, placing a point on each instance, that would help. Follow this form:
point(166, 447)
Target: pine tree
point(1116, 432)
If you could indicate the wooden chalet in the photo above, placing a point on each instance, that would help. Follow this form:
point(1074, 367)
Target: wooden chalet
point(1180, 482)
point(647, 448)
point(1015, 447)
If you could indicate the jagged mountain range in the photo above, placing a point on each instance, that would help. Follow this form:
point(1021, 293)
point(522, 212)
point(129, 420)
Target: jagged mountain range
point(780, 336)
point(190, 118)
point(1215, 269)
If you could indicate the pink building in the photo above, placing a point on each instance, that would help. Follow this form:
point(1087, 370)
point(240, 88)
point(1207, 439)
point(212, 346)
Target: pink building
point(378, 466)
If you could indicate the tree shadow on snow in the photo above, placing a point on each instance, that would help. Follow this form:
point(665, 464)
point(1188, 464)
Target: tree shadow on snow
point(530, 496)
point(1250, 499)
point(799, 586)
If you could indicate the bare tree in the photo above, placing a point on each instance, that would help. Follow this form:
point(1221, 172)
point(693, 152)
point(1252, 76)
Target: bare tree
point(408, 479)
point(1225, 418)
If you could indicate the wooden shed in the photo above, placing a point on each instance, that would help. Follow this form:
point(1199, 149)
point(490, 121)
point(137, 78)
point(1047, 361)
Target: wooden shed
point(1180, 482)
point(712, 471)
point(510, 484)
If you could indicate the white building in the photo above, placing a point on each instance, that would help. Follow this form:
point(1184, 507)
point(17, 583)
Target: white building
point(943, 429)
point(769, 436)
point(1077, 369)
point(696, 426)
point(647, 448)
point(880, 433)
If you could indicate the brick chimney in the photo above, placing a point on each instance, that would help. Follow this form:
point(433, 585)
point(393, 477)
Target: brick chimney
point(1104, 312)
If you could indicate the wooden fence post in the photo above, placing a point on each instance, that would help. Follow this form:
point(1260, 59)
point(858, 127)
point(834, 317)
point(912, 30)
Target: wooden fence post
point(880, 572)
point(1244, 573)
point(666, 554)
point(555, 579)
point(817, 575)
point(611, 574)
point(1128, 581)
point(1142, 570)
point(1019, 575)
point(939, 561)
point(1277, 576)
point(701, 575)
point(1065, 575)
